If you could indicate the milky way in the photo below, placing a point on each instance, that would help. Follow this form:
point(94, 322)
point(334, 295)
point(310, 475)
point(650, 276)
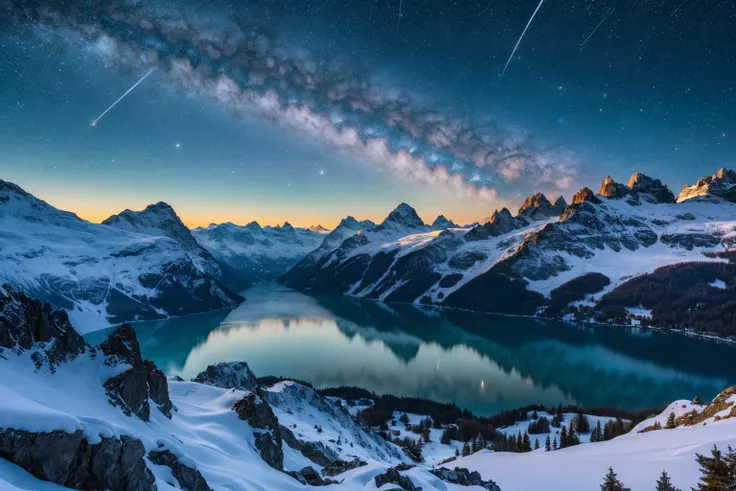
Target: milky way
point(240, 66)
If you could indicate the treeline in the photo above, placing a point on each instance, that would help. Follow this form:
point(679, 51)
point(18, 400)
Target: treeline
point(680, 296)
point(384, 406)
point(513, 416)
point(574, 290)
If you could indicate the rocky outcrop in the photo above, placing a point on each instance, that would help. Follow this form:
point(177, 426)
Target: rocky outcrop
point(650, 189)
point(310, 477)
point(189, 479)
point(559, 206)
point(228, 375)
point(464, 477)
point(340, 466)
point(392, 476)
point(131, 389)
point(403, 216)
point(722, 184)
point(317, 452)
point(69, 460)
point(538, 207)
point(583, 195)
point(612, 189)
point(501, 222)
point(25, 322)
point(266, 429)
point(441, 223)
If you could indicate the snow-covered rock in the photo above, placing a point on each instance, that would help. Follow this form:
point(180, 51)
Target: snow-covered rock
point(99, 274)
point(722, 184)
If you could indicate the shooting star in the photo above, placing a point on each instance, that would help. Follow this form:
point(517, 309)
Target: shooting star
point(94, 123)
point(596, 27)
point(521, 37)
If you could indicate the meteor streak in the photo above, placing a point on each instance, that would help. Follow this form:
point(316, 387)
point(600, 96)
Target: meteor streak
point(94, 123)
point(596, 27)
point(521, 37)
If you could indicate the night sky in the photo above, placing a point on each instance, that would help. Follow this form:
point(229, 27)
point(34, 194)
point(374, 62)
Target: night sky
point(308, 111)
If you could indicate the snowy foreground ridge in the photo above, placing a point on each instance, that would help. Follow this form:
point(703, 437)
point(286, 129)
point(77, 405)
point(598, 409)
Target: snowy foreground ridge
point(82, 417)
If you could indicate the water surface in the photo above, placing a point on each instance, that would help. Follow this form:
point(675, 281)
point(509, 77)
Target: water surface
point(483, 362)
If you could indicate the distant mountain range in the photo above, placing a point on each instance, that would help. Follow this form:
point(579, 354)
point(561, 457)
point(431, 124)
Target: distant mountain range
point(595, 259)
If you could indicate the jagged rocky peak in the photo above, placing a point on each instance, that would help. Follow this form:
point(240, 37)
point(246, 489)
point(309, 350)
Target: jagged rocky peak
point(319, 229)
point(254, 226)
point(612, 189)
point(585, 194)
point(286, 227)
point(538, 207)
point(230, 375)
point(441, 223)
point(560, 205)
point(722, 184)
point(403, 216)
point(650, 189)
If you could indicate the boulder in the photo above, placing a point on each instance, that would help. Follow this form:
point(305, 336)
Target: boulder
point(317, 452)
point(464, 477)
point(340, 466)
point(189, 479)
point(231, 375)
point(310, 477)
point(392, 476)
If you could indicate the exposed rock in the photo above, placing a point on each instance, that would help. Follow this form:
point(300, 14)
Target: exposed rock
point(230, 375)
point(464, 477)
point(650, 189)
point(583, 195)
point(722, 184)
point(559, 206)
point(538, 207)
point(340, 466)
point(392, 476)
point(24, 322)
point(403, 216)
point(70, 460)
point(265, 424)
point(612, 189)
point(688, 241)
point(189, 479)
point(501, 222)
point(441, 223)
point(310, 477)
point(317, 452)
point(131, 389)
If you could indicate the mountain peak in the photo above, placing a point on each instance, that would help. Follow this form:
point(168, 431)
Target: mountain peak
point(287, 227)
point(403, 215)
point(441, 223)
point(722, 184)
point(538, 207)
point(612, 189)
point(650, 189)
point(319, 229)
point(585, 194)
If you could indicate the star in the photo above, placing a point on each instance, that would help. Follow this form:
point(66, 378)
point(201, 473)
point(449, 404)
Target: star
point(178, 145)
point(321, 173)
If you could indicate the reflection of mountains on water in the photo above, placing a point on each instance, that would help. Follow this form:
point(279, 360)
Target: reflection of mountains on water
point(595, 366)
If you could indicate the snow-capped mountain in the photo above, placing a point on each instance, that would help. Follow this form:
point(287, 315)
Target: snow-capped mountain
point(513, 264)
point(99, 274)
point(319, 228)
point(260, 253)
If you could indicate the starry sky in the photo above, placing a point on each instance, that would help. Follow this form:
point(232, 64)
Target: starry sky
point(310, 110)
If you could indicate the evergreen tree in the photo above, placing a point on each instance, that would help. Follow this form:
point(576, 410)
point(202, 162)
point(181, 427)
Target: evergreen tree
point(582, 425)
point(547, 444)
point(526, 444)
point(474, 445)
point(611, 482)
point(536, 444)
point(466, 449)
point(535, 415)
point(665, 484)
point(425, 433)
point(554, 444)
point(597, 433)
point(563, 437)
point(457, 452)
point(572, 437)
point(717, 472)
point(670, 425)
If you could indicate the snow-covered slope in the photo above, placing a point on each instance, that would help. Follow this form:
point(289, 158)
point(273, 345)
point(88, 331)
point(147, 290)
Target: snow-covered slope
point(262, 253)
point(99, 274)
point(511, 264)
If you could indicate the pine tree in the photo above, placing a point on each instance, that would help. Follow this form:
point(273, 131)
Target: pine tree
point(563, 437)
point(536, 444)
point(665, 484)
point(474, 445)
point(554, 444)
point(526, 444)
point(670, 425)
point(425, 433)
point(466, 449)
point(597, 434)
point(611, 482)
point(457, 452)
point(547, 445)
point(572, 437)
point(717, 472)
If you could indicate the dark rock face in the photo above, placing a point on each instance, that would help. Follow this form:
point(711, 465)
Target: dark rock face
point(613, 190)
point(131, 389)
point(559, 206)
point(310, 477)
point(501, 222)
point(70, 460)
point(25, 322)
point(650, 189)
point(317, 452)
point(463, 477)
point(230, 375)
point(583, 195)
point(441, 223)
point(340, 466)
point(688, 241)
point(538, 207)
point(266, 429)
point(392, 476)
point(189, 479)
point(403, 216)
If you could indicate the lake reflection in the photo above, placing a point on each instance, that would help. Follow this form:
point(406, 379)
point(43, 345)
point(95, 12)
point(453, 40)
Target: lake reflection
point(486, 363)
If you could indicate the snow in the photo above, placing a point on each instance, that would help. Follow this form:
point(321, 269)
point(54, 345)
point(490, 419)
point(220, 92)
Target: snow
point(718, 284)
